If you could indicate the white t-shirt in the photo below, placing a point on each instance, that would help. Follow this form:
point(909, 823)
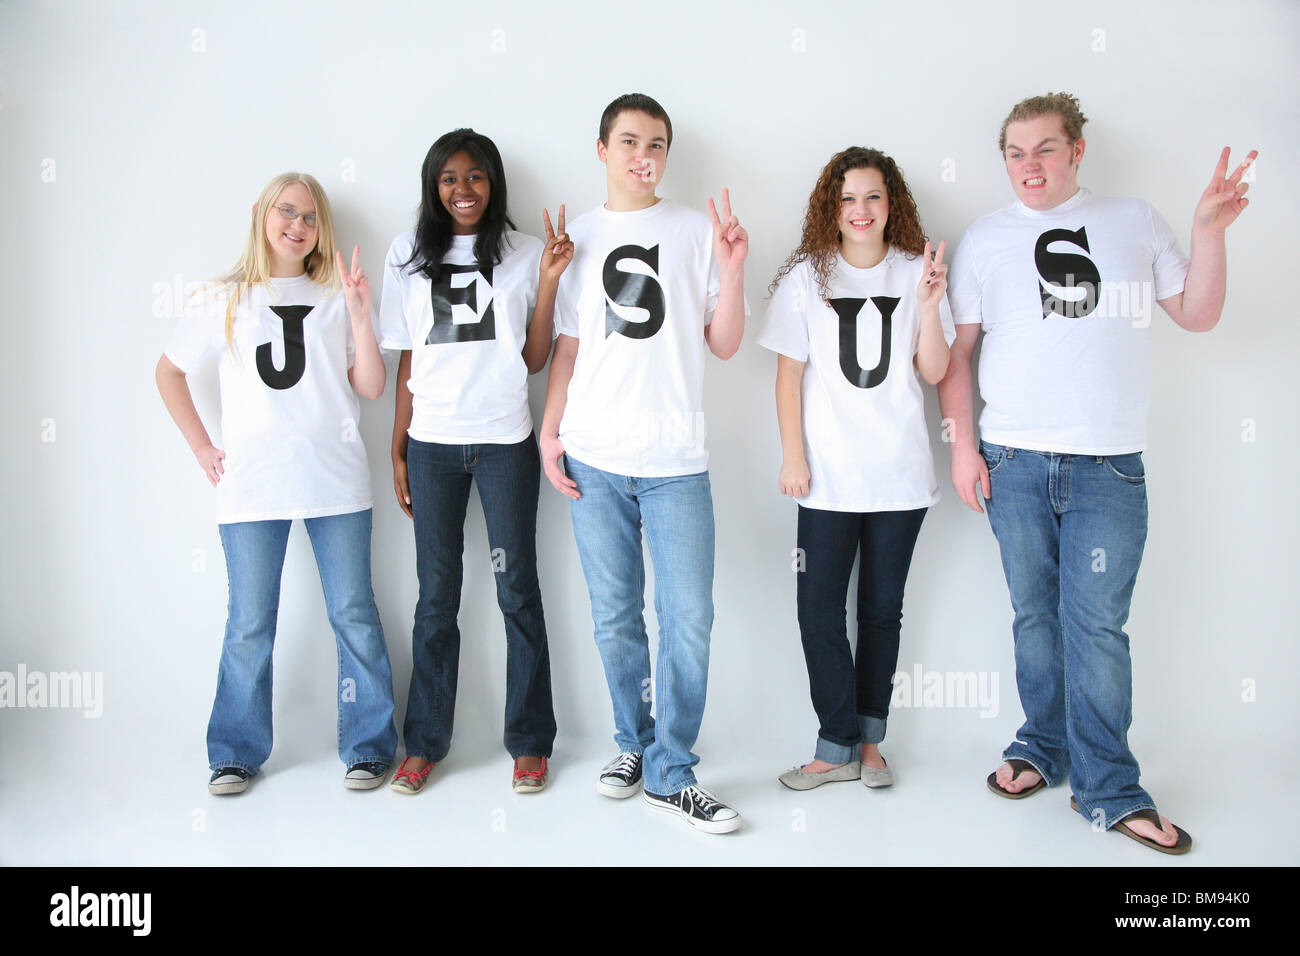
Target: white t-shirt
point(640, 290)
point(864, 428)
point(469, 383)
point(289, 416)
point(1066, 297)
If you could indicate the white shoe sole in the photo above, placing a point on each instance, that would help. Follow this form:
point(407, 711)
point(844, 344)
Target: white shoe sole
point(704, 826)
point(617, 792)
point(374, 783)
point(226, 789)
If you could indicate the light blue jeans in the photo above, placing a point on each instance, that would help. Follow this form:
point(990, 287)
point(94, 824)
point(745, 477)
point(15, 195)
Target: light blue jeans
point(239, 731)
point(677, 515)
point(1072, 529)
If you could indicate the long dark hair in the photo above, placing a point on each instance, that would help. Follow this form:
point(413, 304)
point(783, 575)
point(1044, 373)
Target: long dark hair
point(433, 228)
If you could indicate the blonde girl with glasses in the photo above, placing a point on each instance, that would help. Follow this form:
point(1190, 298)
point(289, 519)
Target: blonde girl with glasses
point(291, 331)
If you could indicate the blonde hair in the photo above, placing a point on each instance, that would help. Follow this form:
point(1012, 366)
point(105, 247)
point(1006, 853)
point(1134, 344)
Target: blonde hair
point(254, 265)
point(1061, 104)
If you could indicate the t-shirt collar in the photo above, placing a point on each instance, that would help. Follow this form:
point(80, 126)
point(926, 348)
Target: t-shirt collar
point(1069, 205)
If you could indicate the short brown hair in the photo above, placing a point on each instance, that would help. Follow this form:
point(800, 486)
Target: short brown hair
point(1062, 104)
point(636, 103)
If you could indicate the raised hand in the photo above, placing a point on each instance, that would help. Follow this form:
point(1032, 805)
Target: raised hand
point(559, 248)
point(356, 287)
point(730, 240)
point(1225, 198)
point(934, 277)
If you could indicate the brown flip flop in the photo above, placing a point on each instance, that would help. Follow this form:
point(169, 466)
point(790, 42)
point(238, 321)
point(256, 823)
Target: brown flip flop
point(1184, 838)
point(1019, 766)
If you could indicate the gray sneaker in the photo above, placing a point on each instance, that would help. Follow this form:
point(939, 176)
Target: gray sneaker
point(796, 778)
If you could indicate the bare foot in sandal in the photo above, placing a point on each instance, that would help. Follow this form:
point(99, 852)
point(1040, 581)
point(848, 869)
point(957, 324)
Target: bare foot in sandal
point(1012, 782)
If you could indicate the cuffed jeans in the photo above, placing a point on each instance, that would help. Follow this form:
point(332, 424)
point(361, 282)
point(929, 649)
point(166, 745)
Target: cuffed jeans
point(1071, 529)
point(852, 700)
point(677, 515)
point(239, 731)
point(508, 478)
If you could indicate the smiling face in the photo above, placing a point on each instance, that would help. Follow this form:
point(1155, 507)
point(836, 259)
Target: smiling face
point(464, 190)
point(864, 208)
point(291, 240)
point(635, 156)
point(1041, 162)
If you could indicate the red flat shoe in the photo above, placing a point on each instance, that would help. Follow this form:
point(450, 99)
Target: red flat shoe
point(529, 781)
point(410, 781)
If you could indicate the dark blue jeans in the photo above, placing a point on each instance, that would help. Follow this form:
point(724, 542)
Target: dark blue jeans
point(852, 699)
point(508, 478)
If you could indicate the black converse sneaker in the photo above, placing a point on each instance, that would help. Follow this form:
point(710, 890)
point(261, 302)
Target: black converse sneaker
point(227, 780)
point(621, 777)
point(366, 775)
point(699, 807)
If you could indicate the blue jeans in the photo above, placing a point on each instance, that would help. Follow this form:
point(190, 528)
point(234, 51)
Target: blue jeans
point(1071, 529)
point(677, 514)
point(852, 699)
point(239, 731)
point(508, 478)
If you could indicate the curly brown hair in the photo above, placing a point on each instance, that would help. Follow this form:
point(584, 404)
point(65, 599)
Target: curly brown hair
point(821, 224)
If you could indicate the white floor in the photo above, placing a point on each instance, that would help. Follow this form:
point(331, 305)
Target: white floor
point(96, 809)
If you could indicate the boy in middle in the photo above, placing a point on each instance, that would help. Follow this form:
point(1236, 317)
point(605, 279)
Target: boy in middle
point(650, 285)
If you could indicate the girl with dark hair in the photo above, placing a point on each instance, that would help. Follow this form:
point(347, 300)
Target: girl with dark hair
point(469, 301)
point(858, 316)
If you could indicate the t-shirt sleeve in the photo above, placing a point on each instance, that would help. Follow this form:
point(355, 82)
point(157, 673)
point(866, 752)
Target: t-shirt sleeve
point(394, 334)
point(201, 332)
point(566, 302)
point(785, 324)
point(714, 287)
point(964, 285)
point(533, 278)
point(1168, 264)
point(945, 320)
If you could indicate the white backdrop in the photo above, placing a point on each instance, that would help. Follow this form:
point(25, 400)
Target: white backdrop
point(136, 135)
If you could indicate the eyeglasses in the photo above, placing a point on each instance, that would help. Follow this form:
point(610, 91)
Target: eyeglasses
point(308, 218)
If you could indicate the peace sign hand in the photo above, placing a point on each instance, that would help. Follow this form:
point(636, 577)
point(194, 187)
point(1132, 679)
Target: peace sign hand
point(1225, 198)
point(730, 240)
point(559, 248)
point(934, 277)
point(356, 287)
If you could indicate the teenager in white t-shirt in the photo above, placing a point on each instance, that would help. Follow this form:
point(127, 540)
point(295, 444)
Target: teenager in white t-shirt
point(1062, 283)
point(293, 352)
point(858, 317)
point(468, 301)
point(652, 284)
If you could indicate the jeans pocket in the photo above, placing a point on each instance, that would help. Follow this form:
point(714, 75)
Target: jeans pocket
point(1127, 467)
point(993, 459)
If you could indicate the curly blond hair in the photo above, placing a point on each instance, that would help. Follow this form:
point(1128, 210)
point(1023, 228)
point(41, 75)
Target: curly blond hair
point(1063, 105)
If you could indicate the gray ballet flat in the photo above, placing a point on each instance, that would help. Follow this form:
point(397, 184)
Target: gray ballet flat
point(797, 778)
point(875, 779)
